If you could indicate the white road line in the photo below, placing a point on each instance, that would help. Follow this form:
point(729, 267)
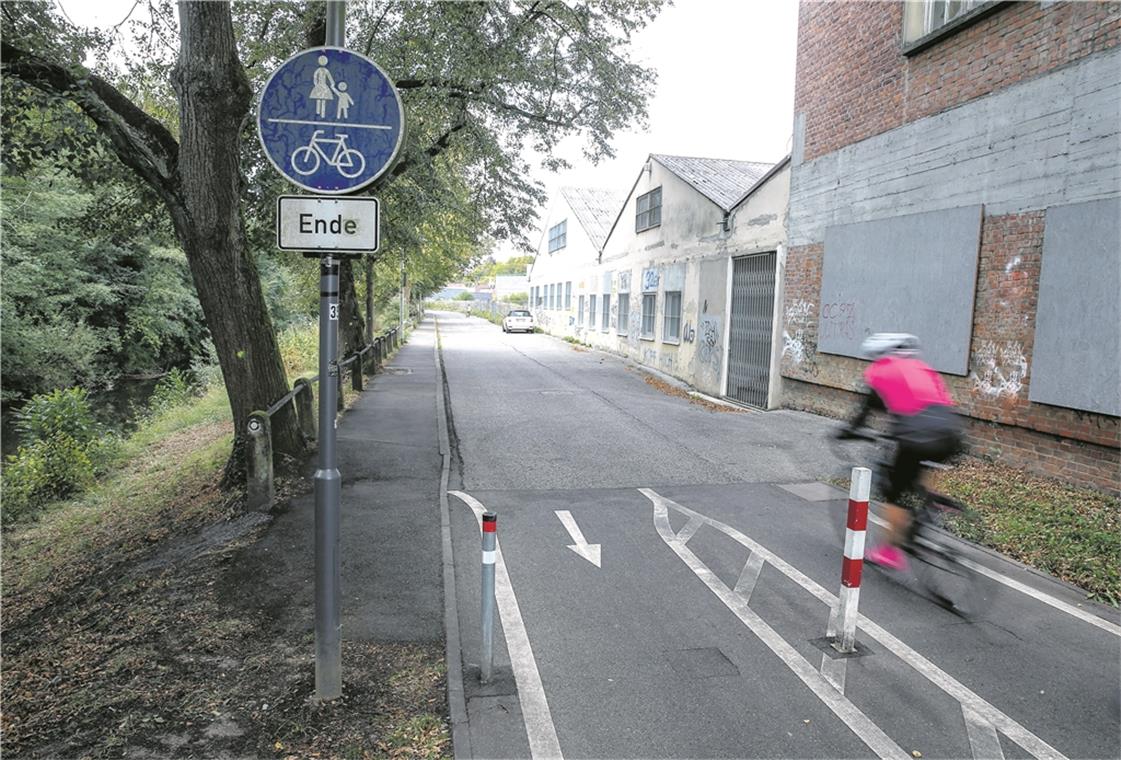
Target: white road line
point(1006, 725)
point(748, 576)
point(834, 671)
point(1034, 593)
point(867, 731)
point(688, 530)
point(984, 742)
point(539, 726)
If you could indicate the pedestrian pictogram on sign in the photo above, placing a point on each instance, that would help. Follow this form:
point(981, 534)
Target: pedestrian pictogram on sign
point(330, 120)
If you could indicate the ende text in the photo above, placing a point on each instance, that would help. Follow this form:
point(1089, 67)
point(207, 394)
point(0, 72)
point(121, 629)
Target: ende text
point(337, 226)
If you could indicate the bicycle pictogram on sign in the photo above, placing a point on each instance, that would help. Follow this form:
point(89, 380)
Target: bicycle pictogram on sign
point(330, 120)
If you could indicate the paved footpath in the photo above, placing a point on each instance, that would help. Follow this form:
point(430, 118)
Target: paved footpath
point(389, 459)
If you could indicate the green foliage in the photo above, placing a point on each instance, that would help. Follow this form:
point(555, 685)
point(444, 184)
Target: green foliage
point(299, 349)
point(519, 299)
point(81, 309)
point(64, 452)
point(465, 296)
point(174, 389)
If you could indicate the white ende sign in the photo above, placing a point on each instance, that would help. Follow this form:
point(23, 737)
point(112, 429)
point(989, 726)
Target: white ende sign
point(335, 225)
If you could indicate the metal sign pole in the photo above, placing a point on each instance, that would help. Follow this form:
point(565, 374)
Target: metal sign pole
point(328, 482)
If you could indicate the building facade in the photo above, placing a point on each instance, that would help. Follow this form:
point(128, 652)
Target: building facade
point(956, 173)
point(686, 276)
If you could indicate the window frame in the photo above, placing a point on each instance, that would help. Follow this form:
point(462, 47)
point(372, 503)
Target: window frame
point(667, 336)
point(605, 311)
point(930, 37)
point(592, 311)
point(568, 296)
point(624, 317)
point(649, 211)
point(653, 314)
point(580, 311)
point(559, 240)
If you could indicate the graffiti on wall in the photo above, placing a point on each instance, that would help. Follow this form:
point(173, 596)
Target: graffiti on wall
point(794, 342)
point(709, 341)
point(838, 320)
point(999, 368)
point(649, 280)
point(688, 333)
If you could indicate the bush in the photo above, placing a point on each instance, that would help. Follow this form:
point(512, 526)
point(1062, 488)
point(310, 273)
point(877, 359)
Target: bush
point(519, 299)
point(464, 296)
point(65, 449)
point(174, 389)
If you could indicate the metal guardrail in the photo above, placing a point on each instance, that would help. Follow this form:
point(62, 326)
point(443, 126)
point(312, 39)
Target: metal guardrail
point(260, 488)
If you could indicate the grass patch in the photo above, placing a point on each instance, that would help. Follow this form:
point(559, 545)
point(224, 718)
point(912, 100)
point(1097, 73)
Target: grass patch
point(1070, 532)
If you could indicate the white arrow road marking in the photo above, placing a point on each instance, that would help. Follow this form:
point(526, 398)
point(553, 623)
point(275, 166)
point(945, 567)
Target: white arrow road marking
point(539, 726)
point(940, 678)
point(588, 551)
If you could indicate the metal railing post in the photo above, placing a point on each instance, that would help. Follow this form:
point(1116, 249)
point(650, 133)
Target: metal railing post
point(490, 540)
point(305, 407)
point(259, 476)
point(356, 373)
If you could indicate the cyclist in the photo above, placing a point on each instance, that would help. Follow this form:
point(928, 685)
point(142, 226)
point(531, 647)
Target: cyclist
point(924, 425)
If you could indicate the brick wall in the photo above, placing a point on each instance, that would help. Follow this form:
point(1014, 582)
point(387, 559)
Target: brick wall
point(852, 80)
point(1051, 439)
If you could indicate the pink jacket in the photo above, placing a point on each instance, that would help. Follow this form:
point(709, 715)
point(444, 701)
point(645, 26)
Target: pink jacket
point(906, 386)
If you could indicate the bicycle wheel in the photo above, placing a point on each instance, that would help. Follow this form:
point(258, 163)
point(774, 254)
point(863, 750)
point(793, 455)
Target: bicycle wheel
point(351, 163)
point(305, 161)
point(944, 575)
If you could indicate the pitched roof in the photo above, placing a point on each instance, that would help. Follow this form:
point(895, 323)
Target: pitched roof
point(721, 180)
point(595, 209)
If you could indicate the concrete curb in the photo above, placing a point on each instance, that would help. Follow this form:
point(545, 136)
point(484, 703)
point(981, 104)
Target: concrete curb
point(457, 702)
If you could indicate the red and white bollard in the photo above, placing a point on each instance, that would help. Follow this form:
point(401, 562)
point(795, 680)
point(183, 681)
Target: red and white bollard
point(844, 617)
point(490, 542)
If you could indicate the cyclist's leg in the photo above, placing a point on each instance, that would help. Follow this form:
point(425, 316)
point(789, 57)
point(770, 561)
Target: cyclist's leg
point(903, 477)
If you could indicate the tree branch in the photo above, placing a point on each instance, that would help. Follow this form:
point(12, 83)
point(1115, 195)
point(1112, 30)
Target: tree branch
point(140, 141)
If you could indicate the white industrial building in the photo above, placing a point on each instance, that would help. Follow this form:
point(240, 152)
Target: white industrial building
point(681, 275)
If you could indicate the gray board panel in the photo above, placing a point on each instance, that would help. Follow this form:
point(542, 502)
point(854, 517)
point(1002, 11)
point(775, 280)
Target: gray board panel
point(915, 273)
point(1076, 359)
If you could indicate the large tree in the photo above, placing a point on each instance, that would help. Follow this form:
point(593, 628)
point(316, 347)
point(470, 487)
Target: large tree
point(198, 179)
point(483, 85)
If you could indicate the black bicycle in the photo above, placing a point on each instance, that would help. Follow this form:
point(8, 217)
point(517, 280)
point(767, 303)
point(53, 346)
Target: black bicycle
point(936, 562)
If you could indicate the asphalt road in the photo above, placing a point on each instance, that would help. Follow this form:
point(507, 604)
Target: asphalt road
point(697, 633)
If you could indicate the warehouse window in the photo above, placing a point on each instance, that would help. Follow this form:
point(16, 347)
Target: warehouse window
point(580, 311)
point(925, 21)
point(567, 296)
point(671, 325)
point(649, 303)
point(624, 313)
point(592, 311)
point(605, 325)
point(558, 236)
point(648, 210)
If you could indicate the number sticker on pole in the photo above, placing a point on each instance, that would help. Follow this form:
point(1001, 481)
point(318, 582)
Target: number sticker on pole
point(330, 120)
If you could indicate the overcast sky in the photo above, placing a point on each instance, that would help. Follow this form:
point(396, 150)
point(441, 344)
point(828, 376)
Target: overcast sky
point(725, 86)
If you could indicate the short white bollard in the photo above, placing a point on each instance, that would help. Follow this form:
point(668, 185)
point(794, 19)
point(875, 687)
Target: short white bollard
point(856, 526)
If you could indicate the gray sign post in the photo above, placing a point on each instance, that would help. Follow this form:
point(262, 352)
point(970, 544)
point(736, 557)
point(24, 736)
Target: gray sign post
point(329, 95)
point(328, 482)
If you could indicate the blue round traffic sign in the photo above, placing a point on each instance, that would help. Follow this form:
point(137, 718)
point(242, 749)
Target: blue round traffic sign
point(330, 120)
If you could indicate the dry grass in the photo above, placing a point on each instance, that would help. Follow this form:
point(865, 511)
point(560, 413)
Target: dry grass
point(671, 390)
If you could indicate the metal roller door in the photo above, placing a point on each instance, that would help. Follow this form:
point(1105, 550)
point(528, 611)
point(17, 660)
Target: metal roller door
point(751, 331)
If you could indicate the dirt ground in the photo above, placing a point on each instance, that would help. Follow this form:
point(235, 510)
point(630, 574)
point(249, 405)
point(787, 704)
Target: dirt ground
point(144, 654)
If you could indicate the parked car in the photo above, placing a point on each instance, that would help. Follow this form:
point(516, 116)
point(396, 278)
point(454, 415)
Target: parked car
point(517, 319)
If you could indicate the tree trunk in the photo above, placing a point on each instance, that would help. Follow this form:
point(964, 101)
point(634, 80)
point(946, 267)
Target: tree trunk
point(214, 101)
point(351, 324)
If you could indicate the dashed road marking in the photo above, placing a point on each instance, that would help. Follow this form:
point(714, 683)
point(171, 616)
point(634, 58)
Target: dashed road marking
point(943, 680)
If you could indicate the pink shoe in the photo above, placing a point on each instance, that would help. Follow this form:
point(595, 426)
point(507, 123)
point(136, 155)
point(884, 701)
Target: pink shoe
point(888, 556)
